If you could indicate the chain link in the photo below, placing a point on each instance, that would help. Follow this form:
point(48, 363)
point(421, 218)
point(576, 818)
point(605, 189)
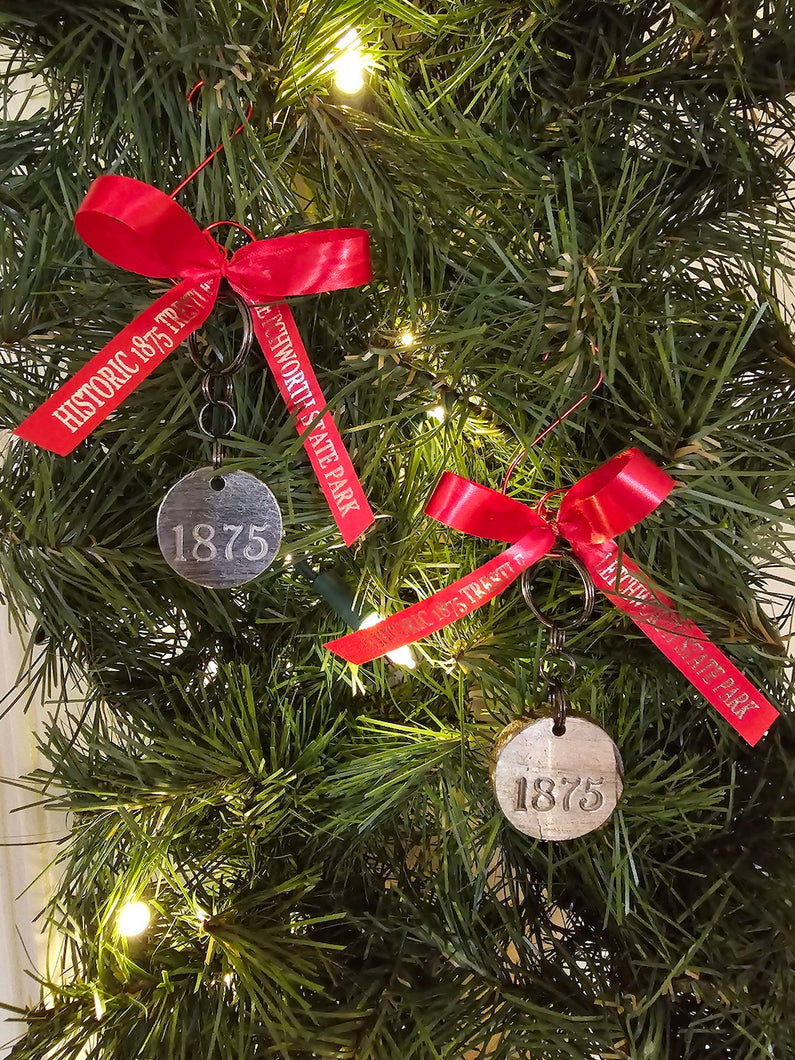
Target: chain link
point(559, 701)
point(558, 665)
point(217, 385)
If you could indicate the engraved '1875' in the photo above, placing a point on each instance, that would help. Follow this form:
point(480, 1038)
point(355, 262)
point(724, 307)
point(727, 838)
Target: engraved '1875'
point(205, 548)
point(545, 796)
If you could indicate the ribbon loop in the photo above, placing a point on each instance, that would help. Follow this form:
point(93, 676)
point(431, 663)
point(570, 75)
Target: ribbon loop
point(141, 229)
point(606, 502)
point(480, 511)
point(302, 263)
point(613, 498)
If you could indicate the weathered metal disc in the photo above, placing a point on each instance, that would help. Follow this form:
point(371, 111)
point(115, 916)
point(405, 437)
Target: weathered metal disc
point(556, 787)
point(219, 528)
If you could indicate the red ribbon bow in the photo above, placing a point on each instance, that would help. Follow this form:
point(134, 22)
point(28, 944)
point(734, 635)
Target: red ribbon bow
point(602, 505)
point(139, 228)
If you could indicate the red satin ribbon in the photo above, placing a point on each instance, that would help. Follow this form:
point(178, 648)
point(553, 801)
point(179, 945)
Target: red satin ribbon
point(141, 229)
point(602, 505)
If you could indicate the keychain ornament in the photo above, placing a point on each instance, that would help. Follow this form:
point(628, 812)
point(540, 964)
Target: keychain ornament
point(593, 512)
point(557, 786)
point(216, 528)
point(141, 229)
point(219, 528)
point(559, 775)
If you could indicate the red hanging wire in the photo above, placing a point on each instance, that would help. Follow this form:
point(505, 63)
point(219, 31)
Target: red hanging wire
point(551, 427)
point(217, 151)
point(230, 224)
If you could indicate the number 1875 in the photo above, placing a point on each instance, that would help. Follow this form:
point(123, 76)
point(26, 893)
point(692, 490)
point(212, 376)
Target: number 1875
point(546, 794)
point(205, 547)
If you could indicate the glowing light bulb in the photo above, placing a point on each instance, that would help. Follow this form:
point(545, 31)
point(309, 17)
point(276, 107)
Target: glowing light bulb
point(406, 338)
point(350, 64)
point(400, 656)
point(349, 72)
point(437, 413)
point(134, 918)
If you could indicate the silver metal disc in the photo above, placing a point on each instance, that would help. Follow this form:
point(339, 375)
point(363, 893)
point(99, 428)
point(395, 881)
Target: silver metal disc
point(556, 787)
point(219, 528)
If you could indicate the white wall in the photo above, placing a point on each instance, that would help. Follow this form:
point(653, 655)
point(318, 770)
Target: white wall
point(29, 835)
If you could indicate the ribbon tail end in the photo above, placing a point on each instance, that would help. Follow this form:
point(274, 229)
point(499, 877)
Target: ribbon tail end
point(349, 654)
point(757, 727)
point(28, 433)
point(353, 530)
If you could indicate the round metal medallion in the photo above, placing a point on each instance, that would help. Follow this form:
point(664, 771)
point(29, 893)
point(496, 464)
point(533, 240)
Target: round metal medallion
point(219, 528)
point(556, 787)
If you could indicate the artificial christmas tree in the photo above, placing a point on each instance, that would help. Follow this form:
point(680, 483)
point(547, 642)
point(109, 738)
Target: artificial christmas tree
point(274, 853)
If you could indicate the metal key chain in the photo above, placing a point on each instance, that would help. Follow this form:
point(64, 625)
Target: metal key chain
point(218, 377)
point(219, 528)
point(558, 775)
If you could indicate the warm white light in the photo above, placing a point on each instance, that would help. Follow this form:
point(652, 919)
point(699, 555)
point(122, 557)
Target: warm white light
point(228, 979)
point(349, 70)
point(350, 64)
point(437, 413)
point(406, 338)
point(134, 918)
point(400, 656)
point(288, 558)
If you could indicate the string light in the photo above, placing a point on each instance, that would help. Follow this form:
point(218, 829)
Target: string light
point(340, 597)
point(134, 918)
point(400, 656)
point(437, 413)
point(350, 65)
point(406, 338)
